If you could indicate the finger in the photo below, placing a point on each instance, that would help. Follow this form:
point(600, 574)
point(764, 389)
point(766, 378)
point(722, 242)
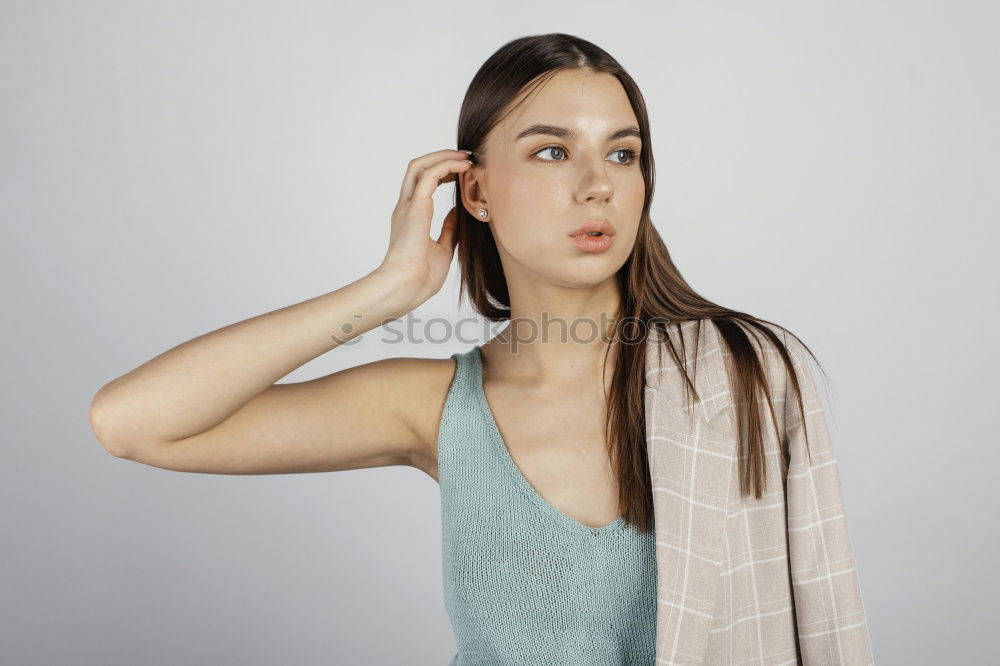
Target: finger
point(417, 166)
point(432, 175)
point(449, 227)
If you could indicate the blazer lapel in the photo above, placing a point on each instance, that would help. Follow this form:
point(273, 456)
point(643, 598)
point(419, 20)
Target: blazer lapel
point(692, 455)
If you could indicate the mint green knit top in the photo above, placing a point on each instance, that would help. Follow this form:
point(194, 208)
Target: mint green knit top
point(523, 582)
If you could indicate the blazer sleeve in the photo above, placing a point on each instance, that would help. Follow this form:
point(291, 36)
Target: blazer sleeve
point(830, 616)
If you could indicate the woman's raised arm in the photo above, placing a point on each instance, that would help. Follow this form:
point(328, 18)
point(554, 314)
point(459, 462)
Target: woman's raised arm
point(212, 405)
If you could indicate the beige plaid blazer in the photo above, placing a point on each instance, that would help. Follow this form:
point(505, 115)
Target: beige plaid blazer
point(740, 580)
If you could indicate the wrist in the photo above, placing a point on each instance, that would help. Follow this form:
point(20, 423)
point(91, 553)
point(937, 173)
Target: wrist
point(392, 291)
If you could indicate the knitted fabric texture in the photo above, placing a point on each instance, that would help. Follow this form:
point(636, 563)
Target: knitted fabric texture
point(523, 582)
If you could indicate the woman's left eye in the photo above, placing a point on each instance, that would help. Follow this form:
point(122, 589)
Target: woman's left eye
point(630, 154)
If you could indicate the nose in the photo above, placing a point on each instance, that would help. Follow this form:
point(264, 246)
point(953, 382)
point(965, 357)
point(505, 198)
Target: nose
point(595, 183)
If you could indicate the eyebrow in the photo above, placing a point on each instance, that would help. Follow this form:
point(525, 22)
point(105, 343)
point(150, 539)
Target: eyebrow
point(564, 133)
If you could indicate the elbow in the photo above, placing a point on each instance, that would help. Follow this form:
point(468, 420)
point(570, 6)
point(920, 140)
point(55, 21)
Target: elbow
point(102, 425)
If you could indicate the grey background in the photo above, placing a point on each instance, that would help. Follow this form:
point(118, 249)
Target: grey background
point(169, 168)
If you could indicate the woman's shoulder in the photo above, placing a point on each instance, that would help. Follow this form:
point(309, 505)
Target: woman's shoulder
point(704, 346)
point(427, 382)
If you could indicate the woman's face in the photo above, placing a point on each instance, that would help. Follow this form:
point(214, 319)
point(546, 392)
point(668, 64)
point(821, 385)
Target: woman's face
point(539, 186)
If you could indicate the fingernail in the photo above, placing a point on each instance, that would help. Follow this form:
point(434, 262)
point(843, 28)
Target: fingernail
point(467, 151)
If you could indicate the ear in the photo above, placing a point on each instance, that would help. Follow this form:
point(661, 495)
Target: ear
point(470, 182)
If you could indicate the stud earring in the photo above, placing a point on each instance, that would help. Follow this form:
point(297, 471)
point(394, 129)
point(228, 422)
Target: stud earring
point(482, 212)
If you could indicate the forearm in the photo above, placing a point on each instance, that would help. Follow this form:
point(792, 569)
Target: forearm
point(200, 383)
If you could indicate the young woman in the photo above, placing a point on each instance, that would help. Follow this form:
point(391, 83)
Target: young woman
point(537, 437)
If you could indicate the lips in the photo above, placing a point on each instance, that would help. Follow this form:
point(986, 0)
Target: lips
point(594, 228)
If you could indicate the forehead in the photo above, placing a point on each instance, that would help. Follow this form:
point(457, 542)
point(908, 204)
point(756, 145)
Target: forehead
point(580, 100)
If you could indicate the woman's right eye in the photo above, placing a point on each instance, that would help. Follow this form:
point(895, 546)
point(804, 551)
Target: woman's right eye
point(556, 148)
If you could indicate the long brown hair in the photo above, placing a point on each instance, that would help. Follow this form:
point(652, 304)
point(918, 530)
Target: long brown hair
point(653, 291)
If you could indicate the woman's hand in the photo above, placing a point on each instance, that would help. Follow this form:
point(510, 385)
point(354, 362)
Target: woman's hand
point(414, 260)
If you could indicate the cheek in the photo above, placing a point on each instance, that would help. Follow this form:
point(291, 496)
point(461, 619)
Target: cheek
point(633, 197)
point(634, 191)
point(526, 205)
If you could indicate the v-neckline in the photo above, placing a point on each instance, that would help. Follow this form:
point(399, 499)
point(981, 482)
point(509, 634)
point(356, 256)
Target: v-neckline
point(508, 461)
